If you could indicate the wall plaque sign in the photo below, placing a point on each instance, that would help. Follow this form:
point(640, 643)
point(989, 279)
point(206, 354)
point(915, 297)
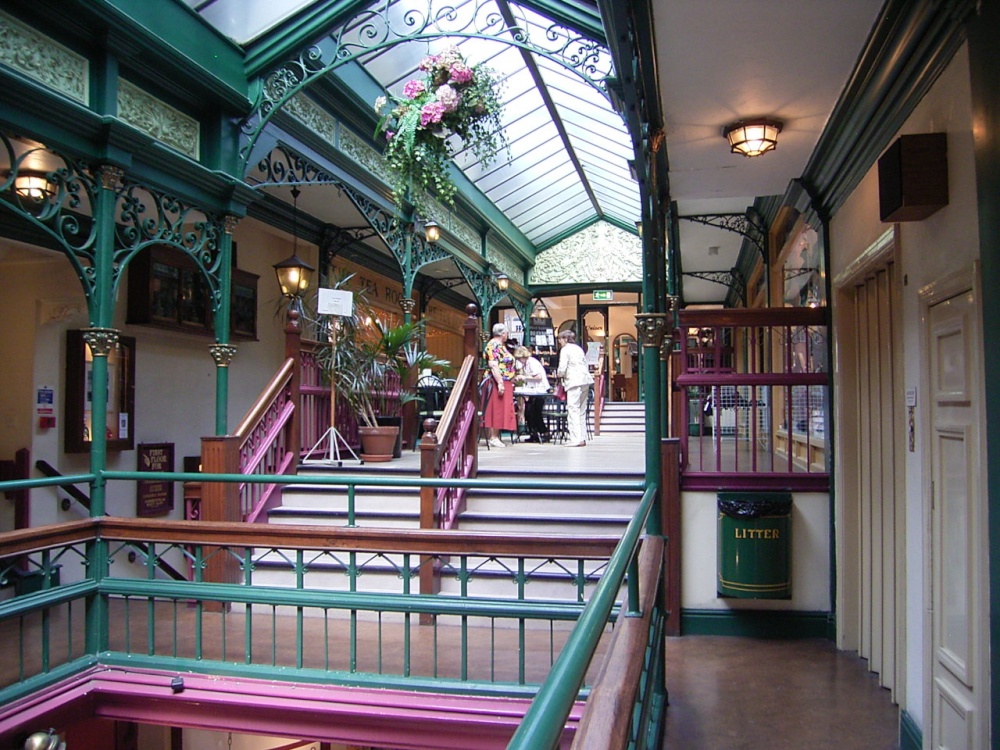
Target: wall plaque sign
point(154, 498)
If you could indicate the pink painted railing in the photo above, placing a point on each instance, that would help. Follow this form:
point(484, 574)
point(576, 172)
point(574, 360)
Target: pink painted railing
point(448, 450)
point(753, 408)
point(264, 444)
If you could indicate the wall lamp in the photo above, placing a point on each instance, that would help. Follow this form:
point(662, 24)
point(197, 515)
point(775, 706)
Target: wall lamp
point(503, 281)
point(432, 231)
point(752, 137)
point(32, 186)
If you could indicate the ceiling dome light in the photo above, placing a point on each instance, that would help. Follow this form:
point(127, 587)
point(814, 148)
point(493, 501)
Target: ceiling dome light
point(752, 137)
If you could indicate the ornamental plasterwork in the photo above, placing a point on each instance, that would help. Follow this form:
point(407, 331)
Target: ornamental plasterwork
point(39, 57)
point(600, 253)
point(158, 119)
point(314, 117)
point(502, 262)
point(363, 154)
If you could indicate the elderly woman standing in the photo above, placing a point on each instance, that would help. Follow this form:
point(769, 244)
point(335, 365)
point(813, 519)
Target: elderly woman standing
point(499, 414)
point(576, 380)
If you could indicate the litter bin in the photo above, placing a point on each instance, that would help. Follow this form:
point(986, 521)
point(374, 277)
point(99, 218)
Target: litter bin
point(754, 545)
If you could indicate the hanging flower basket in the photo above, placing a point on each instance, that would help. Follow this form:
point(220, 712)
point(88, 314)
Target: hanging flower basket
point(453, 99)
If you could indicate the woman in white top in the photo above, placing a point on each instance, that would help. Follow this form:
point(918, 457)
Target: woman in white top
point(576, 380)
point(534, 381)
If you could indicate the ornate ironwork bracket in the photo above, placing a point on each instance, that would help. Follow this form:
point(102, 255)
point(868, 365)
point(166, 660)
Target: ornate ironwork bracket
point(656, 330)
point(334, 239)
point(143, 216)
point(730, 279)
point(484, 287)
point(741, 224)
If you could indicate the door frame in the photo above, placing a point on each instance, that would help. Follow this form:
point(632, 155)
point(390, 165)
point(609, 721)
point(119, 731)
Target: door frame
point(966, 279)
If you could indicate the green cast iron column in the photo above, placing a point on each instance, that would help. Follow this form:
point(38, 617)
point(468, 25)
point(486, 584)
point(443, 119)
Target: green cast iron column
point(101, 337)
point(222, 351)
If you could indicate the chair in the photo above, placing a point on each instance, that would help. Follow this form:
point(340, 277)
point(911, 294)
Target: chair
point(554, 414)
point(485, 391)
point(434, 396)
point(588, 420)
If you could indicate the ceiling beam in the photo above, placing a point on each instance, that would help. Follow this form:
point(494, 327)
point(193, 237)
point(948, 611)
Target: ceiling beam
point(550, 105)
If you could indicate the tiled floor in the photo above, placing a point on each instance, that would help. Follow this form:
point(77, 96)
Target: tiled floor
point(748, 694)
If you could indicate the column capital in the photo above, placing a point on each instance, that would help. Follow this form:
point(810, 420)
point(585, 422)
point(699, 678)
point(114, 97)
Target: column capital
point(408, 305)
point(229, 223)
point(101, 340)
point(222, 354)
point(109, 176)
point(652, 327)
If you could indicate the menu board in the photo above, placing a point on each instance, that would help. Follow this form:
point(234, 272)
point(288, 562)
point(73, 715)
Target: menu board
point(541, 334)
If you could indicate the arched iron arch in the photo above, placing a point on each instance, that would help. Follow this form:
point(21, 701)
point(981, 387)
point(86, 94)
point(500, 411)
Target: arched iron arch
point(374, 29)
point(66, 210)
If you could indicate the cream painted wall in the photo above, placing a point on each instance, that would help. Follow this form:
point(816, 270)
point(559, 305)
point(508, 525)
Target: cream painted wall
point(175, 374)
point(810, 525)
point(928, 250)
point(34, 288)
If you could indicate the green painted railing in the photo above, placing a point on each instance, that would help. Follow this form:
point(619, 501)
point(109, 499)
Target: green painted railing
point(543, 725)
point(477, 638)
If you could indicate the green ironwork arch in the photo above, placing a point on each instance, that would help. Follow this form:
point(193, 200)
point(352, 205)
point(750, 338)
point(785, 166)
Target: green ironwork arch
point(378, 28)
point(66, 210)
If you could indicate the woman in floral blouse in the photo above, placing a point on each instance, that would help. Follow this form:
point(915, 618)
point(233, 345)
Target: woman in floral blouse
point(499, 412)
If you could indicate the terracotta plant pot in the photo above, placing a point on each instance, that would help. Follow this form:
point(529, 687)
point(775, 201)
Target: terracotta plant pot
point(377, 443)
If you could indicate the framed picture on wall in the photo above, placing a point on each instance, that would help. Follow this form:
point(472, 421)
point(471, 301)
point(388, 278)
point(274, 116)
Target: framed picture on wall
point(78, 409)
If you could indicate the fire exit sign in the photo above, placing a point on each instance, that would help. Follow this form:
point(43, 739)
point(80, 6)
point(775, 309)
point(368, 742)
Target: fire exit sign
point(603, 295)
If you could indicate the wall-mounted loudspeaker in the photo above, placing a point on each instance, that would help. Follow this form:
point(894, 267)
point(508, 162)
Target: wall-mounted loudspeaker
point(913, 177)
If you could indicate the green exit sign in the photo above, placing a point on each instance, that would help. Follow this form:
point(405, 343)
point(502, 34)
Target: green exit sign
point(603, 295)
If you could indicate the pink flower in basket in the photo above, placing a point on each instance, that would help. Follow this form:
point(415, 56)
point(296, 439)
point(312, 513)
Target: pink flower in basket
point(448, 97)
point(431, 113)
point(413, 89)
point(460, 73)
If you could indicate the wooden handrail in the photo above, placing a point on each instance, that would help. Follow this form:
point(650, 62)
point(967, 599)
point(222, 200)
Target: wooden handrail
point(373, 539)
point(756, 316)
point(273, 388)
point(608, 717)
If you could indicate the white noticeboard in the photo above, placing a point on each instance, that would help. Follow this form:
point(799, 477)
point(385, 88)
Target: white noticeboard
point(335, 302)
point(593, 352)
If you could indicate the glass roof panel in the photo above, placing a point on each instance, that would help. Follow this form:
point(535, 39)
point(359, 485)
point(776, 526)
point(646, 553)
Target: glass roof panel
point(245, 20)
point(569, 150)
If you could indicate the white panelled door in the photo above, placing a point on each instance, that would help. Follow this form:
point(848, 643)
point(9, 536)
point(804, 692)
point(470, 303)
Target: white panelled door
point(959, 691)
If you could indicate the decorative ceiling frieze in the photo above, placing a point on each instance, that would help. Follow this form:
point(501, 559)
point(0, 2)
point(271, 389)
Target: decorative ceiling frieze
point(601, 253)
point(44, 60)
point(159, 120)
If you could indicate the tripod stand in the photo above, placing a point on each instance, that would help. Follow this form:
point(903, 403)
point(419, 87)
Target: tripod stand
point(333, 452)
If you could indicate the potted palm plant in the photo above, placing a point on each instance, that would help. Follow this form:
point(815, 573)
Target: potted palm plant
point(373, 367)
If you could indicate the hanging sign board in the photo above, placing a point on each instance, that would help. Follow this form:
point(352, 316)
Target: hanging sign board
point(335, 302)
point(154, 498)
point(604, 295)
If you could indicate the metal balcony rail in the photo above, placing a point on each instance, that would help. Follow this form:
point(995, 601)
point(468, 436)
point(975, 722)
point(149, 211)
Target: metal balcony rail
point(754, 401)
point(93, 604)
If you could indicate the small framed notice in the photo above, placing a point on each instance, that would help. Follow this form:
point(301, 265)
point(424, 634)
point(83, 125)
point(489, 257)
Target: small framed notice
point(155, 498)
point(335, 302)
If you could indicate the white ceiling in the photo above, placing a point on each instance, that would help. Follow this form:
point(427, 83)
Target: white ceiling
point(721, 61)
